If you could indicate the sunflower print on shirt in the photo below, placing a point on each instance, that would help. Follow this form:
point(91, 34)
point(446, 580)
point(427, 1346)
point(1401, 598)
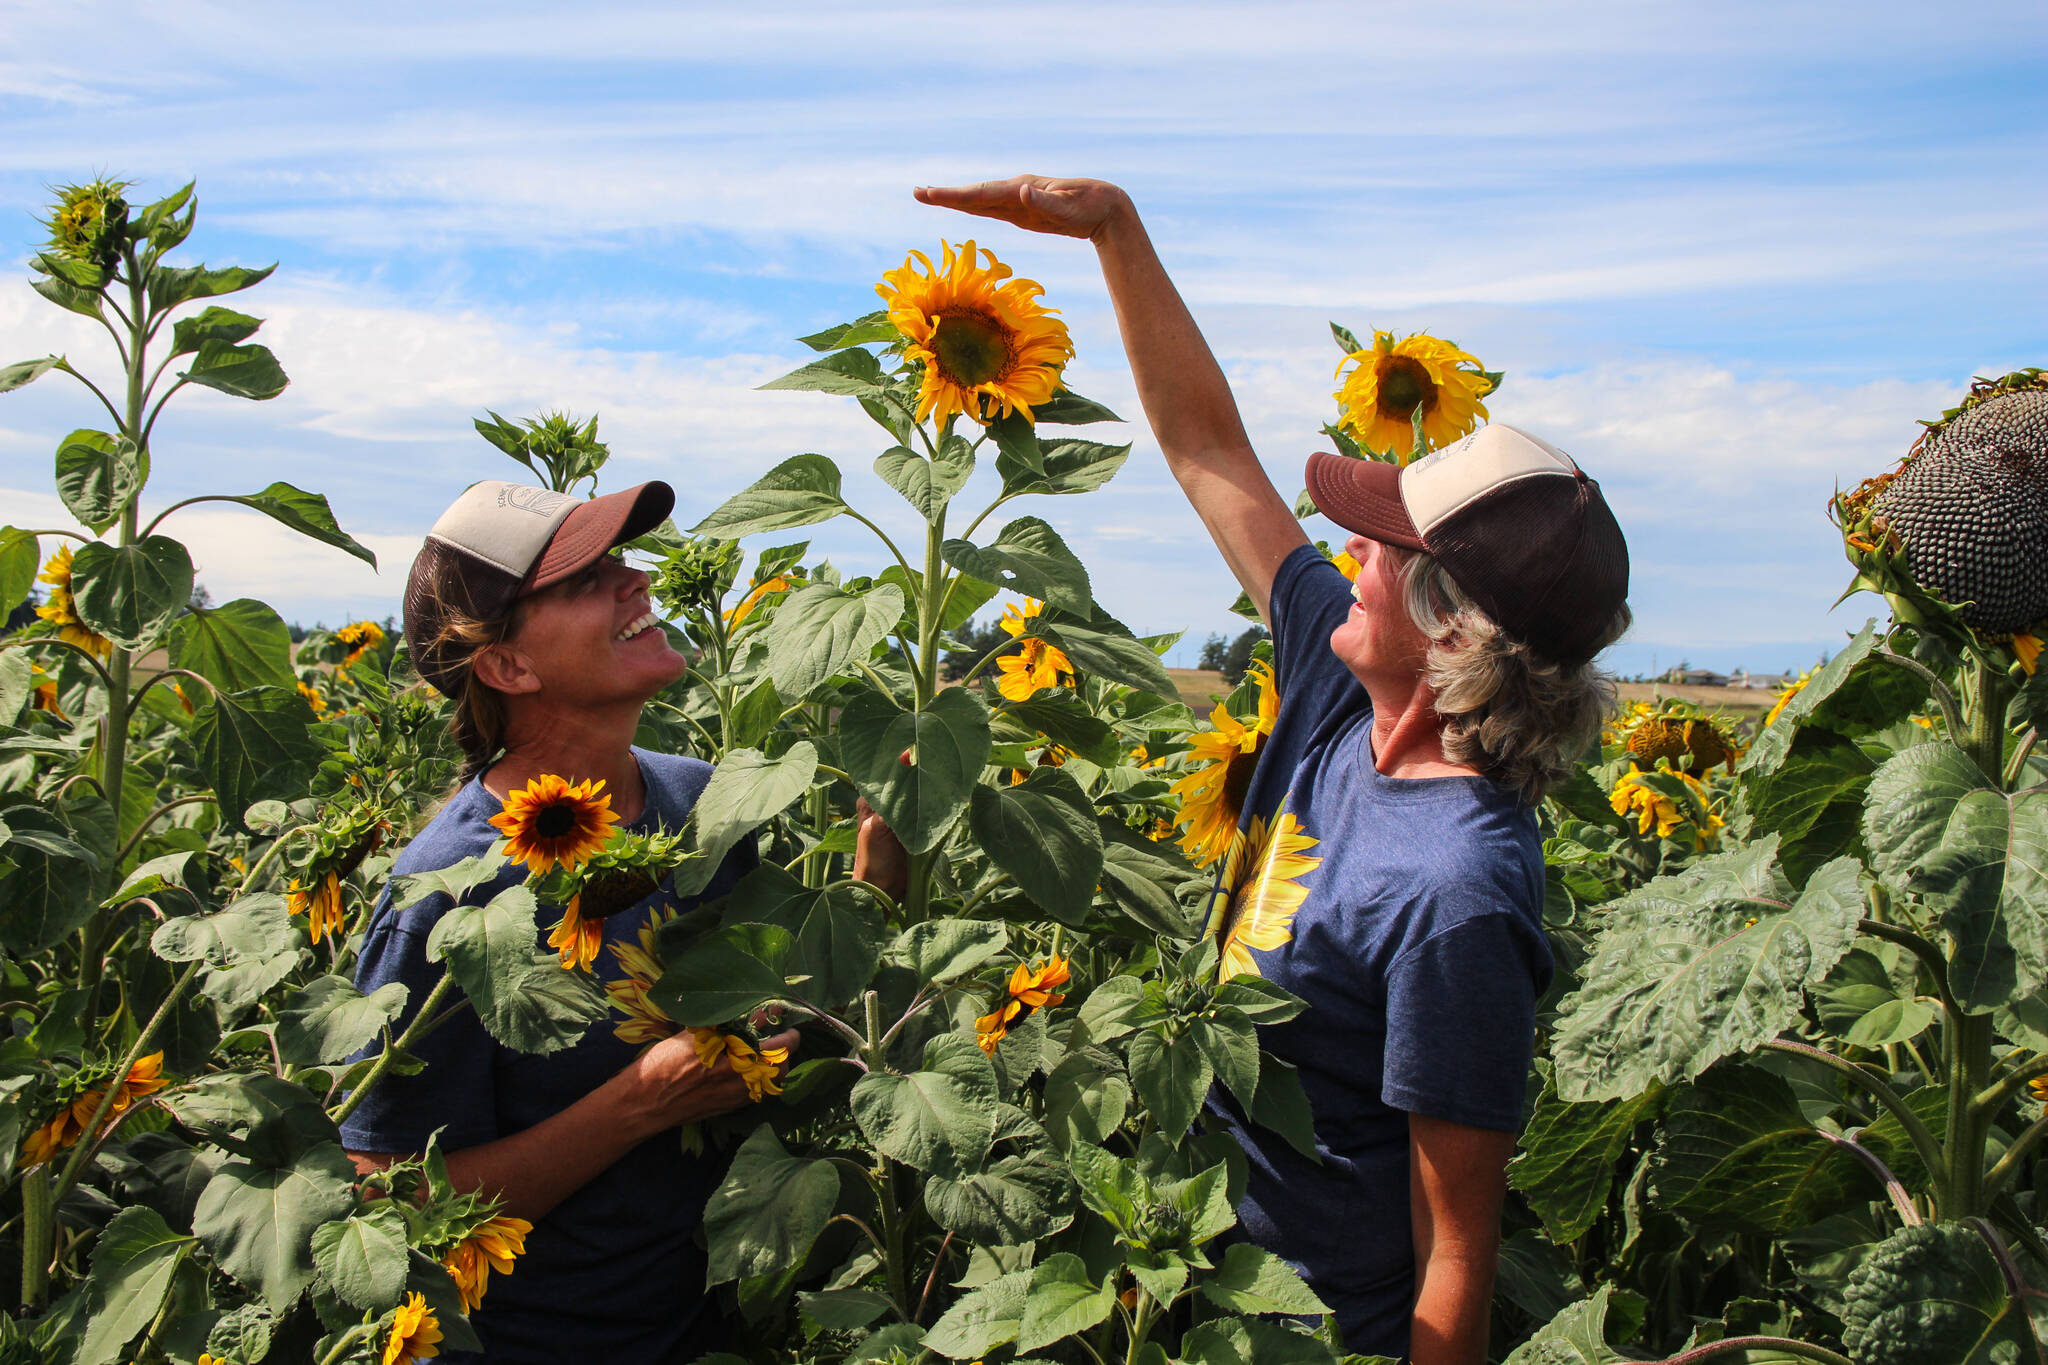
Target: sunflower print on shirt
point(1258, 895)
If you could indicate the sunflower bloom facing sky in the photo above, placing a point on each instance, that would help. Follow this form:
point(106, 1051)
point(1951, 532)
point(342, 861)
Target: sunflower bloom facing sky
point(1037, 665)
point(493, 1246)
point(1030, 988)
point(988, 347)
point(61, 610)
point(1212, 793)
point(552, 822)
point(1393, 379)
point(415, 1332)
point(1258, 895)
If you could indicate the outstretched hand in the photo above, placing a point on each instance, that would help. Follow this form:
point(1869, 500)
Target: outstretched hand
point(1036, 203)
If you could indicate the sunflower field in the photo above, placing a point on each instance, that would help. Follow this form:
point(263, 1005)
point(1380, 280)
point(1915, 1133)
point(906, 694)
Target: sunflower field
point(1788, 1098)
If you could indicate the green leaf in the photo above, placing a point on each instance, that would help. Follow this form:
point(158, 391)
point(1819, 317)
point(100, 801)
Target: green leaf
point(1016, 441)
point(217, 324)
point(746, 790)
point(1576, 1336)
point(839, 1310)
point(20, 558)
point(1069, 409)
point(927, 485)
point(942, 949)
point(1347, 340)
point(1859, 1004)
point(1142, 884)
point(241, 371)
point(1018, 1199)
point(431, 1281)
point(1695, 967)
point(97, 476)
point(254, 745)
point(1254, 1280)
point(1774, 745)
point(983, 1320)
point(1814, 800)
point(1043, 833)
point(1063, 1301)
point(1106, 650)
point(129, 593)
point(237, 646)
point(253, 928)
point(1113, 1009)
point(1735, 1151)
point(1282, 1106)
point(258, 1221)
point(820, 631)
point(939, 1119)
point(328, 1020)
point(722, 976)
point(1027, 557)
point(364, 1257)
point(1933, 1292)
point(768, 1210)
point(153, 877)
point(66, 295)
point(132, 1266)
point(306, 513)
point(523, 996)
point(1171, 1078)
point(1254, 1341)
point(853, 372)
point(1231, 1044)
point(836, 934)
point(1570, 1153)
point(799, 491)
point(862, 331)
point(964, 597)
point(170, 286)
point(1065, 720)
point(1259, 1000)
point(1066, 467)
point(1937, 826)
point(1083, 1103)
point(948, 744)
point(26, 372)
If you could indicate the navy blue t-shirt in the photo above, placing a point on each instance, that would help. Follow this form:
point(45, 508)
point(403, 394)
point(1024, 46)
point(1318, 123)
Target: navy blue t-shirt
point(613, 1273)
point(1408, 914)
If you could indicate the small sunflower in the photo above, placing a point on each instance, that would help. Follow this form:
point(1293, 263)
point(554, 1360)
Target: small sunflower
point(313, 699)
point(988, 347)
point(61, 610)
point(646, 1022)
point(321, 904)
point(759, 1069)
point(1037, 665)
point(87, 221)
point(43, 692)
point(415, 1332)
point(575, 939)
point(1394, 379)
point(1259, 893)
point(2026, 647)
point(359, 638)
point(1212, 794)
point(1791, 690)
point(144, 1078)
point(1031, 988)
point(755, 596)
point(1664, 812)
point(550, 822)
point(493, 1246)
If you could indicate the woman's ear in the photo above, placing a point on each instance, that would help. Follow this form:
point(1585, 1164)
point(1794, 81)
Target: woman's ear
point(502, 668)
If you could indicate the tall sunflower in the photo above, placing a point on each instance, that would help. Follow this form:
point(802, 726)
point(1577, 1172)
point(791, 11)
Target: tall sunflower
point(1258, 895)
point(1663, 812)
point(61, 610)
point(494, 1245)
point(1036, 666)
point(415, 1332)
point(552, 821)
point(988, 347)
point(1212, 794)
point(1392, 379)
point(1030, 988)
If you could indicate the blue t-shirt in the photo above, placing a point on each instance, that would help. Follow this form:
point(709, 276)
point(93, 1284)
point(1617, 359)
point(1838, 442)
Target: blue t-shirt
point(613, 1273)
point(1408, 914)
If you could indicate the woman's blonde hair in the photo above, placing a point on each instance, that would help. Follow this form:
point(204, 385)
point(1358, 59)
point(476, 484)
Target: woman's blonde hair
point(1519, 718)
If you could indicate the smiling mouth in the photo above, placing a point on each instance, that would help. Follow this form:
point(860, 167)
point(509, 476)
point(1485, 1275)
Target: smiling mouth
point(644, 621)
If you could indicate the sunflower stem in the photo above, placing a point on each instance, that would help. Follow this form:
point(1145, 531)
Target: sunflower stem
point(37, 1225)
point(391, 1049)
point(86, 1144)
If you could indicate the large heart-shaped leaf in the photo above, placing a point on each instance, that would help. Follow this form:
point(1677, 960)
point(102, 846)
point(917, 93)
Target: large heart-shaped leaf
point(1063, 1300)
point(768, 1210)
point(746, 790)
point(1027, 557)
point(1067, 467)
point(329, 1019)
point(1774, 743)
point(1934, 1292)
point(941, 1118)
point(1570, 1153)
point(1043, 833)
point(1017, 1199)
point(820, 631)
point(853, 372)
point(1104, 648)
point(212, 324)
point(306, 513)
point(171, 285)
point(523, 996)
point(1172, 1078)
point(243, 371)
point(927, 485)
point(836, 935)
point(132, 1264)
point(799, 491)
point(97, 475)
point(982, 1320)
point(726, 975)
point(237, 646)
point(364, 1257)
point(255, 745)
point(129, 593)
point(948, 744)
point(258, 1221)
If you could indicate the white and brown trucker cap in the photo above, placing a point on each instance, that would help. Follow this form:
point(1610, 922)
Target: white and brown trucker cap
point(500, 541)
point(1512, 518)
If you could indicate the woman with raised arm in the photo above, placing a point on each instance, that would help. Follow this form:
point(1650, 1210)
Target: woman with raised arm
point(1385, 865)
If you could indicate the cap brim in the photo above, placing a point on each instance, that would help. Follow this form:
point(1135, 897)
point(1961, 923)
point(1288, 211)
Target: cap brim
point(595, 527)
point(1362, 496)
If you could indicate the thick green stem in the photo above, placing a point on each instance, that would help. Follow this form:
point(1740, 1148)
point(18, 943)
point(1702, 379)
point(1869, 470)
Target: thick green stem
point(1987, 699)
point(38, 1224)
point(1969, 1049)
point(1916, 1131)
point(930, 606)
point(1141, 1327)
point(422, 1021)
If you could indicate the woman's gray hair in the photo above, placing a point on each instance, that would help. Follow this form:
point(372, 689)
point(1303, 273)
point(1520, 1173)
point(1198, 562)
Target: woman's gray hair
point(1518, 717)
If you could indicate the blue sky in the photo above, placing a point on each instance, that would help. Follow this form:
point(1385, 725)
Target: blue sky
point(1726, 254)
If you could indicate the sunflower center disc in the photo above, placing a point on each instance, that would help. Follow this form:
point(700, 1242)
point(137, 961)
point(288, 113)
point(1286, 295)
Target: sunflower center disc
point(971, 349)
point(1403, 384)
point(554, 821)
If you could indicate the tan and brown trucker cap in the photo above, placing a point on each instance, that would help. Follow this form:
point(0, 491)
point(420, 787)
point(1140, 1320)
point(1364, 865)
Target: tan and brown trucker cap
point(1512, 518)
point(500, 541)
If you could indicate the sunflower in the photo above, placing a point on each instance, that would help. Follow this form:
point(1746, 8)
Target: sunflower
point(709, 1044)
point(43, 693)
point(754, 598)
point(144, 1078)
point(87, 221)
point(646, 1022)
point(1030, 988)
point(1791, 690)
point(360, 638)
point(1346, 565)
point(759, 1070)
point(575, 939)
point(61, 610)
point(492, 1246)
point(313, 699)
point(321, 905)
point(2038, 1088)
point(550, 822)
point(415, 1332)
point(988, 347)
point(1036, 666)
point(1258, 895)
point(1393, 379)
point(1659, 811)
point(2026, 647)
point(1051, 756)
point(1211, 794)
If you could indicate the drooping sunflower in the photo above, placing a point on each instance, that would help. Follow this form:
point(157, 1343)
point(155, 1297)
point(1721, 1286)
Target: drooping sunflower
point(1030, 988)
point(1037, 665)
point(1791, 690)
point(69, 1125)
point(415, 1332)
point(43, 692)
point(1212, 794)
point(492, 1246)
point(1394, 378)
point(360, 637)
point(646, 1022)
point(758, 1068)
point(552, 821)
point(1258, 895)
point(988, 347)
point(575, 939)
point(61, 610)
point(1660, 811)
point(320, 903)
point(755, 596)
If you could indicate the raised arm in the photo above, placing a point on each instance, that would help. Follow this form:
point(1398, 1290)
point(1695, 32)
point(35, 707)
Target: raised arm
point(1186, 398)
